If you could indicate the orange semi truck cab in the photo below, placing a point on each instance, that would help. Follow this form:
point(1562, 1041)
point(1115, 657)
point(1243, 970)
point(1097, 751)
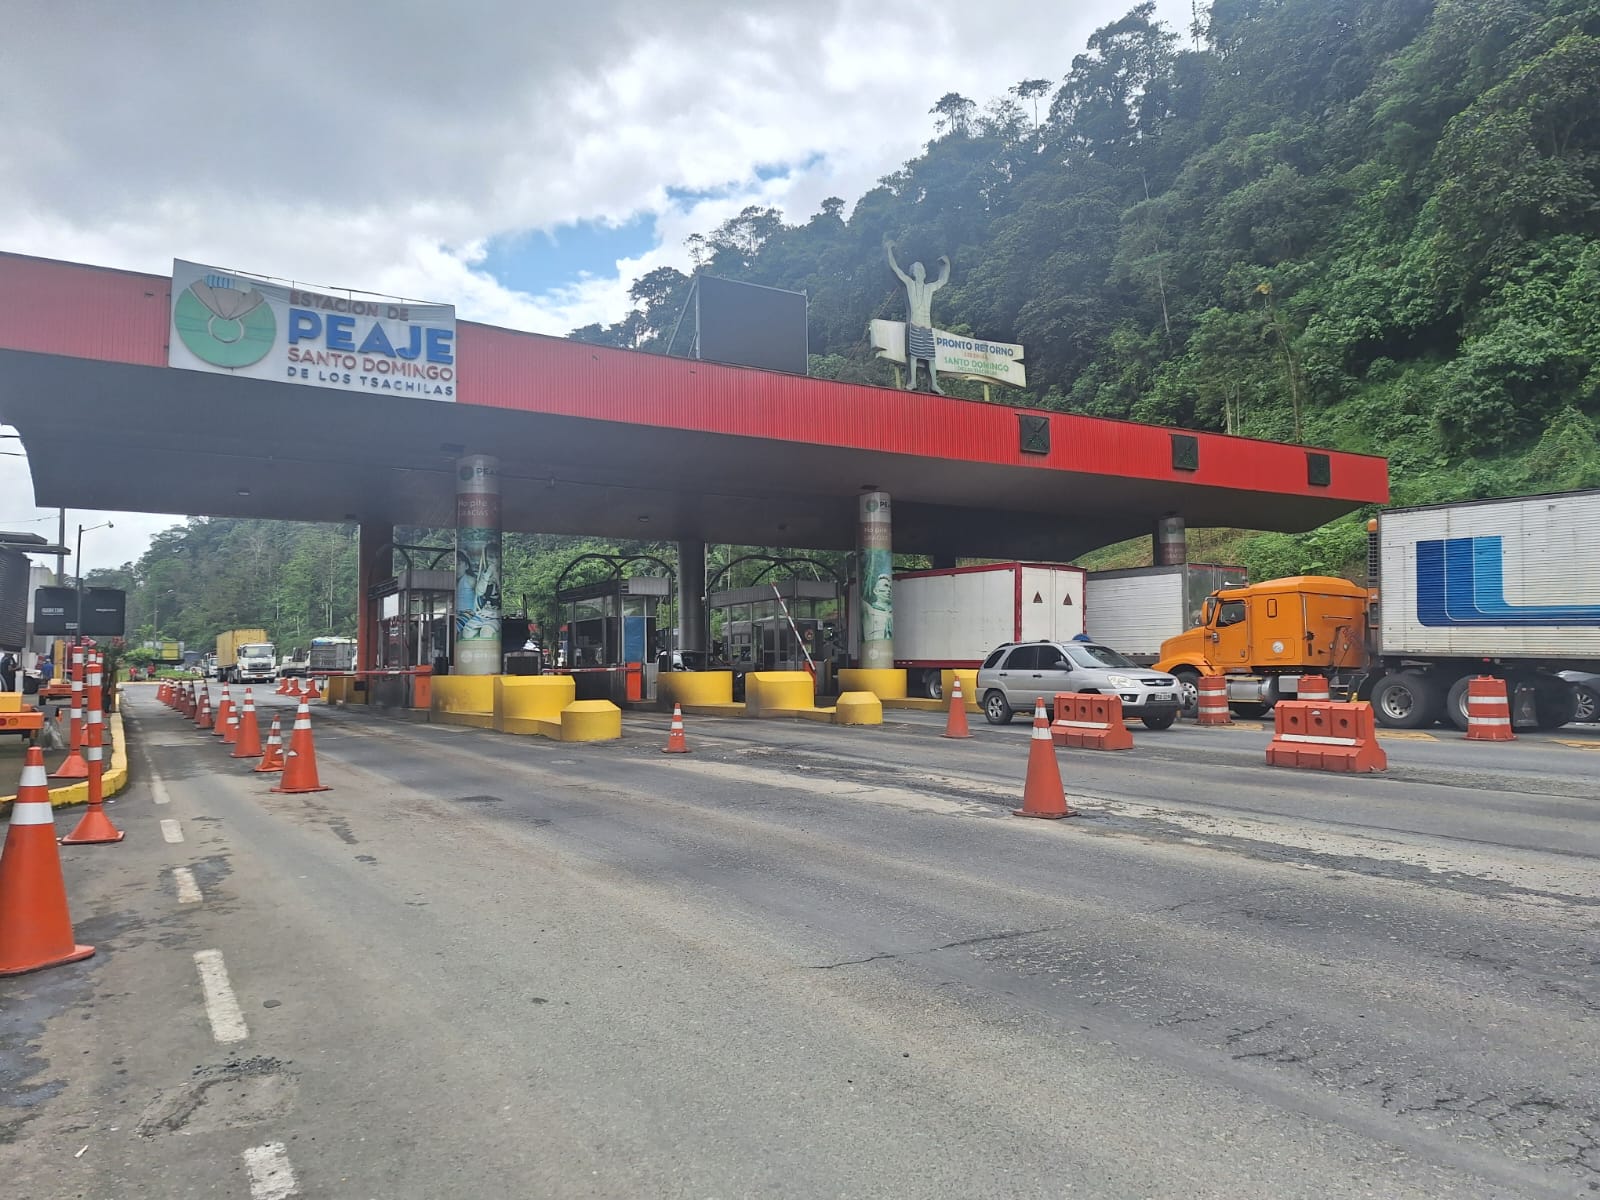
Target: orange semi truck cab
point(1265, 636)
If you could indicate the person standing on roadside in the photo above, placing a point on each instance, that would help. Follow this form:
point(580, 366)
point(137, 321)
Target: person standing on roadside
point(8, 671)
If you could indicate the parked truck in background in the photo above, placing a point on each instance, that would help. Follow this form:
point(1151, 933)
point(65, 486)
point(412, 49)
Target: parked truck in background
point(295, 664)
point(246, 656)
point(1135, 610)
point(954, 617)
point(331, 655)
point(1509, 588)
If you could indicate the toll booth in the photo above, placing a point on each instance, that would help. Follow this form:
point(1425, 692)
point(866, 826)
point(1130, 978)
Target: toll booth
point(756, 635)
point(609, 642)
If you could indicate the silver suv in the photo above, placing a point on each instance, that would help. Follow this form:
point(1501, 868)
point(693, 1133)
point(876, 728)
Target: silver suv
point(1016, 674)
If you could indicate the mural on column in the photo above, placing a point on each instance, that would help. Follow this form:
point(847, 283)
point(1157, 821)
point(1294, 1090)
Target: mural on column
point(478, 565)
point(877, 583)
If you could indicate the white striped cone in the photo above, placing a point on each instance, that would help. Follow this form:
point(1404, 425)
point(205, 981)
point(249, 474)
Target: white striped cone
point(35, 926)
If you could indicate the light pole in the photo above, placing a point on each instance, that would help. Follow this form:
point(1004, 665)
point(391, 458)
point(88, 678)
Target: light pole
point(77, 564)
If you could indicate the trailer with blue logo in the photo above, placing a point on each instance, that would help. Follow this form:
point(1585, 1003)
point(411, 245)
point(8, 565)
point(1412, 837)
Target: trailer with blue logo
point(1503, 587)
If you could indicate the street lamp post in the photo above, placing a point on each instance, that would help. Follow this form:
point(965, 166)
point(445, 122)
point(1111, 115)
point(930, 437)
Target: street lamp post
point(77, 563)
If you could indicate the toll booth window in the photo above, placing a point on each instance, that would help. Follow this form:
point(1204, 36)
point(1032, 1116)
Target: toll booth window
point(1232, 613)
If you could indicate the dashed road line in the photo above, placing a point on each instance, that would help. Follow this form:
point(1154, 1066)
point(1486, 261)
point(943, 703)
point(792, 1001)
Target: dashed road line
point(172, 831)
point(271, 1176)
point(188, 889)
point(158, 790)
point(222, 1007)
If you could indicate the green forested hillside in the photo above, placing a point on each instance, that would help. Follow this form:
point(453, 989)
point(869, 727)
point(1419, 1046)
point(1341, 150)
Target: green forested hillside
point(1366, 224)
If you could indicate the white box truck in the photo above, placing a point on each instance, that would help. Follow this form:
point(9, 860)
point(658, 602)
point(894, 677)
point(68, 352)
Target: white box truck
point(953, 617)
point(1135, 609)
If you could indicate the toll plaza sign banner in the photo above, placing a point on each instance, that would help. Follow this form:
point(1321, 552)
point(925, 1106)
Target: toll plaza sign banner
point(230, 323)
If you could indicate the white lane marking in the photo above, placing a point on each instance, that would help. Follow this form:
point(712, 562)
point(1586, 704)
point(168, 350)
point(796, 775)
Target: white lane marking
point(271, 1176)
point(188, 889)
point(158, 790)
point(172, 831)
point(227, 1021)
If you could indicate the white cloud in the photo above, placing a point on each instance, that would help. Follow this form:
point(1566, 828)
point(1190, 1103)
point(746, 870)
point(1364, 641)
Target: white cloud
point(380, 147)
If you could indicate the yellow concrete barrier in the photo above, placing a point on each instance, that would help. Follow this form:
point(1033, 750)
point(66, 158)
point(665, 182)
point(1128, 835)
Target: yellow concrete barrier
point(884, 684)
point(464, 700)
point(694, 687)
point(532, 704)
point(858, 708)
point(778, 691)
point(969, 687)
point(591, 721)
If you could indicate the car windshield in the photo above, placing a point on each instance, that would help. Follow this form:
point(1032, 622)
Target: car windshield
point(1089, 655)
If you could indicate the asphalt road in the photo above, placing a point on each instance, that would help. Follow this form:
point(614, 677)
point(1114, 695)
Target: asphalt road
point(806, 961)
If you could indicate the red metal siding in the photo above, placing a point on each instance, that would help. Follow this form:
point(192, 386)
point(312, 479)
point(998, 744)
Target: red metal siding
point(505, 369)
point(80, 311)
point(76, 311)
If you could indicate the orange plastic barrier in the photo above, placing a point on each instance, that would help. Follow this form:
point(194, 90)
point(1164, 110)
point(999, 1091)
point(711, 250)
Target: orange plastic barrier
point(1213, 701)
point(1090, 722)
point(1488, 710)
point(1325, 737)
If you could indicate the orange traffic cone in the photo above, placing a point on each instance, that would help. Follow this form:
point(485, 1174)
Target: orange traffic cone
point(300, 764)
point(202, 714)
point(220, 729)
point(230, 727)
point(35, 926)
point(247, 742)
point(956, 726)
point(272, 757)
point(294, 686)
point(675, 740)
point(95, 827)
point(1042, 794)
point(74, 766)
point(311, 692)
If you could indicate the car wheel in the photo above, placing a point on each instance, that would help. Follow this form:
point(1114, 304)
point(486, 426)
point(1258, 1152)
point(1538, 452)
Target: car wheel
point(1588, 704)
point(1160, 720)
point(1406, 700)
point(995, 709)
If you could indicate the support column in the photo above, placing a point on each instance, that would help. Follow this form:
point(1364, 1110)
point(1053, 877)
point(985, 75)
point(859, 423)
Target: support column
point(1169, 543)
point(692, 596)
point(477, 565)
point(877, 582)
point(370, 539)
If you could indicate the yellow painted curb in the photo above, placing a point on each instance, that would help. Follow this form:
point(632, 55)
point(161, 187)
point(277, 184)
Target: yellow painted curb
point(111, 783)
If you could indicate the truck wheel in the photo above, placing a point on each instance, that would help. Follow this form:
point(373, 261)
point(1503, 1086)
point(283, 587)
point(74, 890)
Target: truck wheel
point(933, 684)
point(995, 709)
point(1455, 703)
point(1188, 691)
point(1406, 700)
point(1250, 711)
point(1160, 720)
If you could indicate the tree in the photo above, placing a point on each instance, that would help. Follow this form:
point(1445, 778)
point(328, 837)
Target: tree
point(1030, 90)
point(955, 115)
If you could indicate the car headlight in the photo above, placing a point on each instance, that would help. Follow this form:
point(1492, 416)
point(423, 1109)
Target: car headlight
point(1122, 681)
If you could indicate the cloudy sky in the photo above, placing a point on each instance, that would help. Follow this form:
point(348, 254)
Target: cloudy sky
point(523, 159)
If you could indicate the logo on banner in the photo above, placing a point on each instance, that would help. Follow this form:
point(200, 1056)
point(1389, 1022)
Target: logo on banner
point(222, 325)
